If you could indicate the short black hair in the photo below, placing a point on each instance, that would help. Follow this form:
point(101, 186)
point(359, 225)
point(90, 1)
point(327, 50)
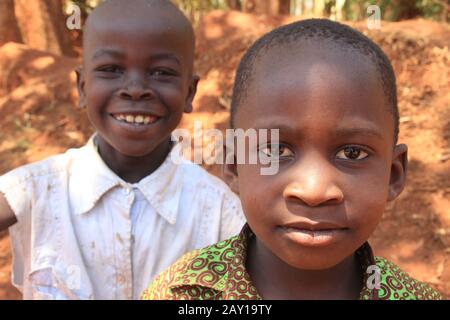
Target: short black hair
point(319, 29)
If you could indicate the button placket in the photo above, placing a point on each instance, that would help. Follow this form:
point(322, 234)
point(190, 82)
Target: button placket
point(123, 276)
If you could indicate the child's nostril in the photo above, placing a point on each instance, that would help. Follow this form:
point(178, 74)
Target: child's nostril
point(125, 95)
point(146, 95)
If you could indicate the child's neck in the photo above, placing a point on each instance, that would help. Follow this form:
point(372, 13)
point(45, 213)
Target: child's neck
point(275, 279)
point(133, 169)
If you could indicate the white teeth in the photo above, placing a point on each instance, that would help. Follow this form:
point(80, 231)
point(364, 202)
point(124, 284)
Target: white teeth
point(139, 119)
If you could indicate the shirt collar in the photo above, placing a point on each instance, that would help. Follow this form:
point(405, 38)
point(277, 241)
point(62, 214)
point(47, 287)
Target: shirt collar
point(233, 254)
point(163, 187)
point(91, 178)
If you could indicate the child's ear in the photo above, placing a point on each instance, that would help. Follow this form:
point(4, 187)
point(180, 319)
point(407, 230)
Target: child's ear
point(229, 171)
point(192, 90)
point(399, 170)
point(80, 87)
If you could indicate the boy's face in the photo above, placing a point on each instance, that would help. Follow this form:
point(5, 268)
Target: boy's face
point(136, 79)
point(337, 163)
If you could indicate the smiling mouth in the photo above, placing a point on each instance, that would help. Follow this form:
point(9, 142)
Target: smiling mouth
point(135, 119)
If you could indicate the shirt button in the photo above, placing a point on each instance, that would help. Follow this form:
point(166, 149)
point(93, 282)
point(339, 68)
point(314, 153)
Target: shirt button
point(127, 190)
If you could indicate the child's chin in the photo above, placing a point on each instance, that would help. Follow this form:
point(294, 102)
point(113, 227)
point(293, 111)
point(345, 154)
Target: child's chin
point(317, 261)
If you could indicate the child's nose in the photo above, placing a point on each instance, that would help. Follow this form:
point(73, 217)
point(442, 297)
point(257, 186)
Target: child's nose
point(313, 185)
point(136, 89)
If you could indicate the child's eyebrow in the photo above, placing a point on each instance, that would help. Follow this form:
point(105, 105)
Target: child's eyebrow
point(358, 131)
point(107, 52)
point(165, 56)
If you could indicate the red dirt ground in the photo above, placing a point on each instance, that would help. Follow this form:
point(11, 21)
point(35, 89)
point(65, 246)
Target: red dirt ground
point(40, 118)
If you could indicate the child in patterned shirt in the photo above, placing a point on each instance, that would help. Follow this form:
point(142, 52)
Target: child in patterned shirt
point(331, 93)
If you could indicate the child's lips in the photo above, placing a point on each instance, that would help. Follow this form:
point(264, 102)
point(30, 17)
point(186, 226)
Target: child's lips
point(313, 234)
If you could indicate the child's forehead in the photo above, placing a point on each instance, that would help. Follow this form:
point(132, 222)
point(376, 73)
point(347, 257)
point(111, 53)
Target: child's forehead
point(110, 33)
point(145, 18)
point(315, 67)
point(310, 71)
point(311, 53)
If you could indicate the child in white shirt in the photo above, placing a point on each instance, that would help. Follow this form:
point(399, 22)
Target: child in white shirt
point(99, 222)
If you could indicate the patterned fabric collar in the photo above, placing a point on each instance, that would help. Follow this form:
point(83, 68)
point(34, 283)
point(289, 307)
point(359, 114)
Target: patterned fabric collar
point(222, 268)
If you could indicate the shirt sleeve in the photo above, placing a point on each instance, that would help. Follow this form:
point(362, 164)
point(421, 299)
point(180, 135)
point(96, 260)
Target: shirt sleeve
point(397, 284)
point(233, 218)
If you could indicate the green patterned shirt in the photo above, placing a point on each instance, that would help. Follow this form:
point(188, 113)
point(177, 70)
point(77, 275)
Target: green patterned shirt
point(218, 272)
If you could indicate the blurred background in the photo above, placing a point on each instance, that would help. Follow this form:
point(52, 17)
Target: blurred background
point(39, 115)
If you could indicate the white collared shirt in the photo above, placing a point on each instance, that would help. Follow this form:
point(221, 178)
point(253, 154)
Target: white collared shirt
point(84, 233)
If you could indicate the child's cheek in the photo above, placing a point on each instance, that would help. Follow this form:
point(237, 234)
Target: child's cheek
point(366, 207)
point(97, 93)
point(254, 192)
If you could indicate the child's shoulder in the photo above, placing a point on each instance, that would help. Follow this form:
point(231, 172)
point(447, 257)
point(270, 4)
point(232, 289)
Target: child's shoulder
point(396, 284)
point(37, 182)
point(204, 272)
point(51, 166)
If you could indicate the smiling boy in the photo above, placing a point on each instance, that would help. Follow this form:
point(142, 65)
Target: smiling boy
point(99, 222)
point(331, 93)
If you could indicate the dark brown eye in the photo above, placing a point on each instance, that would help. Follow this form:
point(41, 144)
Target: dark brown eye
point(351, 153)
point(163, 72)
point(110, 69)
point(276, 151)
